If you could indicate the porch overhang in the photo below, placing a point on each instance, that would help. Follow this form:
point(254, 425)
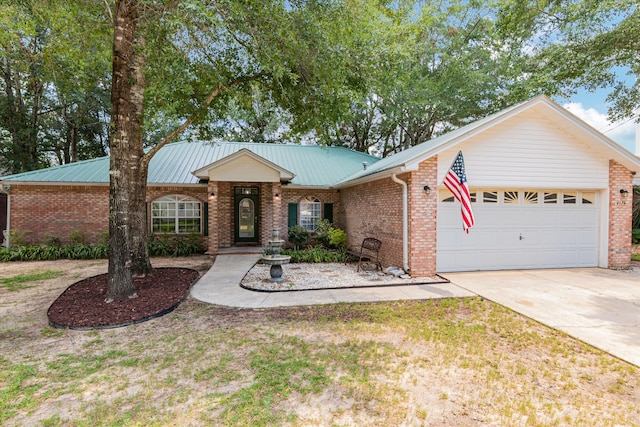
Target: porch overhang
point(244, 165)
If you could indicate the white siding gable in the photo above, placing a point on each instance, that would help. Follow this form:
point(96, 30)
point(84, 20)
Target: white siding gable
point(528, 151)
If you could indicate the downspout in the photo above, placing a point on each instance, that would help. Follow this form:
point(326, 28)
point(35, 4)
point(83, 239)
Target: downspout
point(7, 233)
point(405, 222)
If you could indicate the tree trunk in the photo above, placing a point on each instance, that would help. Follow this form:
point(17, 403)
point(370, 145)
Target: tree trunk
point(125, 128)
point(138, 231)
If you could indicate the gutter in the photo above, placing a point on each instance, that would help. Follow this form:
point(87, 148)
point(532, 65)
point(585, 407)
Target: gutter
point(4, 188)
point(405, 222)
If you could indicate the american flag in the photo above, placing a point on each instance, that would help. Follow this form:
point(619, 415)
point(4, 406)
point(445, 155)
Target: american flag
point(456, 182)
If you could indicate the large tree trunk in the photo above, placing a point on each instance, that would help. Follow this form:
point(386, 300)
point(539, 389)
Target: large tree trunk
point(138, 231)
point(125, 129)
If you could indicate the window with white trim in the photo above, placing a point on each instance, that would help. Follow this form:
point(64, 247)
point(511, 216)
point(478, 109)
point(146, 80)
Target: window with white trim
point(310, 213)
point(176, 214)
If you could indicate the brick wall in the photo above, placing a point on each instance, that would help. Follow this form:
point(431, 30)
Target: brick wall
point(56, 211)
point(222, 206)
point(295, 196)
point(620, 214)
point(374, 209)
point(423, 219)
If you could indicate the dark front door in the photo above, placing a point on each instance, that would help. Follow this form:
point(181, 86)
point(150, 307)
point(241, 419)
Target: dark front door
point(246, 213)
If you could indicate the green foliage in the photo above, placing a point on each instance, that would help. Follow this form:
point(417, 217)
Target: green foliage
point(330, 237)
point(337, 238)
point(299, 236)
point(636, 208)
point(77, 237)
point(52, 241)
point(175, 244)
point(159, 245)
point(576, 44)
point(18, 238)
point(322, 233)
point(635, 235)
point(315, 254)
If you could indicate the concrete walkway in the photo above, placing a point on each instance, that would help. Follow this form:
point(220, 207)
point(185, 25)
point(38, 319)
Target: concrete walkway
point(598, 306)
point(220, 285)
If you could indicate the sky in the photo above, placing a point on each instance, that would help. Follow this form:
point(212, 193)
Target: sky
point(592, 108)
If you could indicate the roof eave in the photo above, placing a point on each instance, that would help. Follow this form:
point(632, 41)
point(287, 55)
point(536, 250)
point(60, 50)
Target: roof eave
point(375, 176)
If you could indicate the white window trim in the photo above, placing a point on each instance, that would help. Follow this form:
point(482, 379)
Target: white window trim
point(173, 209)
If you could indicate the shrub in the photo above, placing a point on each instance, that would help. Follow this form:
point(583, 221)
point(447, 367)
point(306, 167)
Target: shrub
point(18, 238)
point(323, 233)
point(337, 238)
point(299, 236)
point(315, 255)
point(52, 241)
point(77, 237)
point(174, 244)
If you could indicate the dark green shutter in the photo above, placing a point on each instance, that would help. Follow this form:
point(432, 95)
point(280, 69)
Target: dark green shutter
point(206, 219)
point(328, 212)
point(293, 214)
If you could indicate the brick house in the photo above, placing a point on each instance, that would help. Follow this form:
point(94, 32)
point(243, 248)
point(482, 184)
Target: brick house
point(548, 191)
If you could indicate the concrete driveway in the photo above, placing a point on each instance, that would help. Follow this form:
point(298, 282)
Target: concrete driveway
point(598, 306)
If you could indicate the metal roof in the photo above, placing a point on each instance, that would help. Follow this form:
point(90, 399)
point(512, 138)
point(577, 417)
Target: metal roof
point(313, 166)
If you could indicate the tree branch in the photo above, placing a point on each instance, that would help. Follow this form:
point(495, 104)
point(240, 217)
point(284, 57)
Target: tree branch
point(215, 93)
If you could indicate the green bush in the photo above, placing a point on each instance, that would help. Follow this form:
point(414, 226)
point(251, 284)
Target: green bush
point(635, 235)
point(174, 244)
point(322, 233)
point(77, 237)
point(52, 241)
point(299, 236)
point(18, 237)
point(163, 245)
point(315, 254)
point(337, 238)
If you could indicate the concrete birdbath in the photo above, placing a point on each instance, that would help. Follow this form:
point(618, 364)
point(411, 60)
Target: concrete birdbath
point(274, 258)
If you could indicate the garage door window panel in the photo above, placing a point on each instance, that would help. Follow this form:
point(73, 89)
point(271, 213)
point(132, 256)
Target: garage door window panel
point(569, 198)
point(531, 197)
point(550, 198)
point(588, 198)
point(511, 197)
point(489, 197)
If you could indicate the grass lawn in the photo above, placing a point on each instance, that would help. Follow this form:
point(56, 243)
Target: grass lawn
point(451, 362)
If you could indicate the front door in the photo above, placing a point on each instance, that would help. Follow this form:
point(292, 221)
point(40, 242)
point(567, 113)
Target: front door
point(246, 213)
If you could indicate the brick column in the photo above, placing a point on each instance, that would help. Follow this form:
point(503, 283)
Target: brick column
point(423, 219)
point(213, 241)
point(620, 214)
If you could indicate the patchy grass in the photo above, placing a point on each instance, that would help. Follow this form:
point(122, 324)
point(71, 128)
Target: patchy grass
point(23, 281)
point(635, 257)
point(441, 362)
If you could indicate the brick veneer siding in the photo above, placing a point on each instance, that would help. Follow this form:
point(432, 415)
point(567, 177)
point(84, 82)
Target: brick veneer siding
point(57, 210)
point(423, 219)
point(620, 215)
point(374, 209)
point(221, 212)
point(296, 195)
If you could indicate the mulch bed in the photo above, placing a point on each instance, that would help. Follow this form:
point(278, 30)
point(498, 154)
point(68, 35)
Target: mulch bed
point(82, 305)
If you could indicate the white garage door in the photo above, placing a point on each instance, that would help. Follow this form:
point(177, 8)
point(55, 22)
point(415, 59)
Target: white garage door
point(519, 229)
